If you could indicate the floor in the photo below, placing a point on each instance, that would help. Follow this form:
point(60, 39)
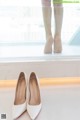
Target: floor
point(59, 103)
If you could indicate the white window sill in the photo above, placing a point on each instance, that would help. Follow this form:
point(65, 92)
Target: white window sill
point(23, 53)
point(14, 59)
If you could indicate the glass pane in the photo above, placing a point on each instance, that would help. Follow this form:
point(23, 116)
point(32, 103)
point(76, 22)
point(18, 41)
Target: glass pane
point(21, 21)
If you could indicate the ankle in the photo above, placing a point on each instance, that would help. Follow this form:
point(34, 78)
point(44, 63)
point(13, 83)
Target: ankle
point(57, 37)
point(49, 39)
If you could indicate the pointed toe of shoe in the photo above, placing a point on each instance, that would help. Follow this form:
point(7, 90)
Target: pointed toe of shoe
point(33, 110)
point(18, 110)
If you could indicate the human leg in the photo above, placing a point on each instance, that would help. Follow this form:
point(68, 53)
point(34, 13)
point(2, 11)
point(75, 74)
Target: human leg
point(47, 13)
point(58, 16)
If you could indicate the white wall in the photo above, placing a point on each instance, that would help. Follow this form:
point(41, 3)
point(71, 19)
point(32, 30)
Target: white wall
point(60, 68)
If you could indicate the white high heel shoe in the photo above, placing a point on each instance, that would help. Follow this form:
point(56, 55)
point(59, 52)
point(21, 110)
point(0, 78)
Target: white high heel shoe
point(34, 99)
point(20, 104)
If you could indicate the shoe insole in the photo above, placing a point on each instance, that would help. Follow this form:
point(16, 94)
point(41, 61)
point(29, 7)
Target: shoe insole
point(20, 96)
point(34, 93)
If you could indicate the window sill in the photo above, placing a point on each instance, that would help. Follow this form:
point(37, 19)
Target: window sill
point(14, 59)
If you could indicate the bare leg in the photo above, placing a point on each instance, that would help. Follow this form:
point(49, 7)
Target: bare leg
point(47, 13)
point(58, 16)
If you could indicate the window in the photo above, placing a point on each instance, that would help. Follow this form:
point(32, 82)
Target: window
point(21, 23)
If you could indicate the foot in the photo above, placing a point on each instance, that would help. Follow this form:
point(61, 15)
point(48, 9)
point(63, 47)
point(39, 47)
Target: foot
point(57, 44)
point(48, 46)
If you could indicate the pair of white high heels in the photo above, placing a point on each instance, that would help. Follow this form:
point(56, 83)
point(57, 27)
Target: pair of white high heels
point(27, 97)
